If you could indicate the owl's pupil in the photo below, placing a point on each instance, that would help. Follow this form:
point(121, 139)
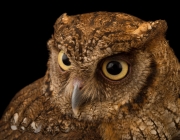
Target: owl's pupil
point(65, 60)
point(114, 67)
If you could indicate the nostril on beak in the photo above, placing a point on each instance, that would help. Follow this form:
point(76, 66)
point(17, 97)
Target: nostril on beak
point(79, 83)
point(80, 87)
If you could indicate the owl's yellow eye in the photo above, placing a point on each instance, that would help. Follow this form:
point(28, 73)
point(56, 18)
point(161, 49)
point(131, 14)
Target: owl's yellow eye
point(63, 61)
point(115, 69)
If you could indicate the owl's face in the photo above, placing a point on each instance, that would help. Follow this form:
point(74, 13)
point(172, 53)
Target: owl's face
point(103, 65)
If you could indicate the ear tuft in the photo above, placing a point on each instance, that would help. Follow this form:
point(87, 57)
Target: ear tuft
point(151, 28)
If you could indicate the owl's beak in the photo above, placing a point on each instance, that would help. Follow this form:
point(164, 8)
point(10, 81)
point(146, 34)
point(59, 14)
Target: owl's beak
point(76, 98)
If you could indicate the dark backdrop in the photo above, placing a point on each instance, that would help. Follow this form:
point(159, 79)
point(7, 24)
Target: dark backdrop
point(26, 27)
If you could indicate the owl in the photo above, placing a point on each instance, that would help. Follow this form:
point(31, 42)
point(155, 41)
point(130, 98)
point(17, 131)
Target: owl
point(110, 76)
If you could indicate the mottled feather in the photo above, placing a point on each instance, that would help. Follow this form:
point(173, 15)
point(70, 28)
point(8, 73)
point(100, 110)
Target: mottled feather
point(82, 102)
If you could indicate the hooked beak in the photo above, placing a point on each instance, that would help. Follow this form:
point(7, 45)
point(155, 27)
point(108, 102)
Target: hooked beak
point(76, 98)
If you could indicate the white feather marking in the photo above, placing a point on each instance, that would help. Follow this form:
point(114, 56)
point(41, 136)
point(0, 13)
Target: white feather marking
point(35, 127)
point(15, 117)
point(13, 127)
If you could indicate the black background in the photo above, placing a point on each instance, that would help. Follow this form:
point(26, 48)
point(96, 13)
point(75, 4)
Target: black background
point(27, 26)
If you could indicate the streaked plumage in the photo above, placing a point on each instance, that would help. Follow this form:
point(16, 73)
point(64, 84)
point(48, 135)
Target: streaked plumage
point(110, 76)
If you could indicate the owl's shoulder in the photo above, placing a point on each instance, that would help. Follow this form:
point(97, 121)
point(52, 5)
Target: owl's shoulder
point(24, 98)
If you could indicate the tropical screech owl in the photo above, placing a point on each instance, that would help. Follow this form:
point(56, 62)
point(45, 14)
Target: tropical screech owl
point(110, 76)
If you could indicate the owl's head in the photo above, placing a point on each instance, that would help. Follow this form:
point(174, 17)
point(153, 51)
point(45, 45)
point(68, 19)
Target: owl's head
point(105, 65)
